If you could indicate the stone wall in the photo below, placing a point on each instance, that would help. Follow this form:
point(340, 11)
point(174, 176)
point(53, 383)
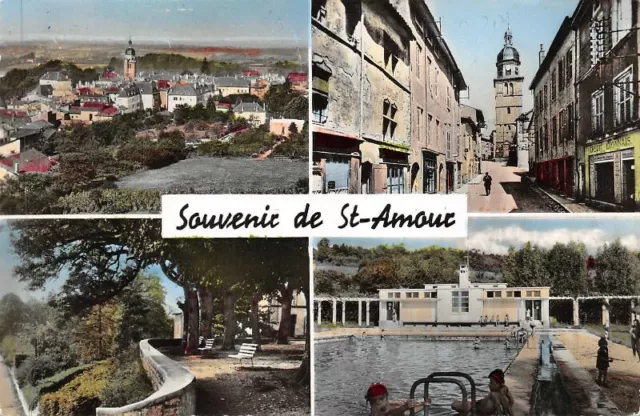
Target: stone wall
point(175, 387)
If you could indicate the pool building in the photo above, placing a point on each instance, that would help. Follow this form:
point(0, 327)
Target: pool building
point(463, 303)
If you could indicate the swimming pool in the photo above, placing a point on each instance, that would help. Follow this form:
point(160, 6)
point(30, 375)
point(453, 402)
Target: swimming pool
point(345, 369)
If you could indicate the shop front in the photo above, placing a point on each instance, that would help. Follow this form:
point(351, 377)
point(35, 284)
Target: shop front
point(611, 176)
point(336, 161)
point(557, 174)
point(430, 172)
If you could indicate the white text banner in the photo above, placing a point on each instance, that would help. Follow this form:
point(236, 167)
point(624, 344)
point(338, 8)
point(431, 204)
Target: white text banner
point(338, 215)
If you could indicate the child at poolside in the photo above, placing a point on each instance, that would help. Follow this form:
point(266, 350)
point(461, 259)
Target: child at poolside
point(378, 399)
point(603, 360)
point(498, 402)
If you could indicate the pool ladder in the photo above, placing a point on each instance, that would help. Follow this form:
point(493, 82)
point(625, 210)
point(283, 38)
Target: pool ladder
point(444, 378)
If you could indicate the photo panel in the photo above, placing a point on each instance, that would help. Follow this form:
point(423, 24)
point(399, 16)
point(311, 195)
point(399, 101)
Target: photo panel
point(523, 108)
point(106, 317)
point(536, 315)
point(106, 109)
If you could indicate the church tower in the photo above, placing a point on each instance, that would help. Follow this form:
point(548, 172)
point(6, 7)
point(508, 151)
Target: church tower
point(130, 63)
point(508, 92)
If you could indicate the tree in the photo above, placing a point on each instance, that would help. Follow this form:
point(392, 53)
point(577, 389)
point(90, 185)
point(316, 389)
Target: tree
point(13, 313)
point(567, 269)
point(297, 108)
point(617, 270)
point(98, 331)
point(293, 129)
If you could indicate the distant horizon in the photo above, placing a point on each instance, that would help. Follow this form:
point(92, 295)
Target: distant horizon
point(273, 43)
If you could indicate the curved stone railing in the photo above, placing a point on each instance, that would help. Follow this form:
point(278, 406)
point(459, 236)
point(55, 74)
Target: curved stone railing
point(175, 386)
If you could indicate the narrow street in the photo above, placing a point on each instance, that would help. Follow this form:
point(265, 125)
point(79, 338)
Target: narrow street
point(509, 193)
point(9, 405)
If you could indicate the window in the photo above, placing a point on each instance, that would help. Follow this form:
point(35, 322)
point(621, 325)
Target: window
point(448, 144)
point(621, 13)
point(429, 75)
point(435, 82)
point(320, 104)
point(569, 66)
point(517, 68)
point(395, 179)
point(554, 131)
point(460, 301)
point(553, 86)
point(420, 118)
point(546, 136)
point(438, 133)
point(623, 97)
point(506, 89)
point(509, 294)
point(431, 295)
point(563, 125)
point(389, 123)
point(391, 53)
point(597, 111)
point(570, 122)
point(545, 100)
point(561, 75)
point(511, 88)
point(494, 294)
point(517, 294)
point(448, 98)
point(508, 110)
point(429, 127)
point(418, 60)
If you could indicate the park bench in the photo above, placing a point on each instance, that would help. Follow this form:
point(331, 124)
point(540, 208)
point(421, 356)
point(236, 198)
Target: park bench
point(208, 345)
point(247, 351)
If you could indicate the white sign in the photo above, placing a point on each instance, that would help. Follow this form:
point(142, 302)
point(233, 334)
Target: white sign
point(339, 215)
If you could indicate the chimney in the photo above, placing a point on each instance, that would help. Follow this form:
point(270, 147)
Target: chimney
point(541, 54)
point(464, 276)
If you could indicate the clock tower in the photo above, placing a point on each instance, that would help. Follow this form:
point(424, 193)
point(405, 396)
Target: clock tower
point(508, 94)
point(130, 63)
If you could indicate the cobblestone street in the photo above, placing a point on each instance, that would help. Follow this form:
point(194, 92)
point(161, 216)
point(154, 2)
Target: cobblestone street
point(511, 193)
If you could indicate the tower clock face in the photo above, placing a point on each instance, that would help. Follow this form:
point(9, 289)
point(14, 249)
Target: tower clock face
point(507, 68)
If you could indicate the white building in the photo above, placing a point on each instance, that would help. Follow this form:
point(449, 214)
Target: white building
point(463, 303)
point(225, 86)
point(150, 95)
point(181, 94)
point(252, 112)
point(129, 99)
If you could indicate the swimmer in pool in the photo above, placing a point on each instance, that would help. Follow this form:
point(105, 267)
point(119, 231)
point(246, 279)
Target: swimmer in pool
point(378, 399)
point(476, 343)
point(498, 402)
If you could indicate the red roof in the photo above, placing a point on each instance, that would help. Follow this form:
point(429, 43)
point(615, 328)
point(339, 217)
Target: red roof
point(39, 165)
point(94, 105)
point(227, 105)
point(112, 88)
point(250, 72)
point(13, 113)
point(297, 77)
point(163, 84)
point(109, 111)
point(83, 91)
point(109, 75)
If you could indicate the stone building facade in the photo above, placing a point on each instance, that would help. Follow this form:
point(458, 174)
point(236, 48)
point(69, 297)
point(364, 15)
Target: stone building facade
point(508, 90)
point(557, 157)
point(471, 143)
point(607, 82)
point(385, 101)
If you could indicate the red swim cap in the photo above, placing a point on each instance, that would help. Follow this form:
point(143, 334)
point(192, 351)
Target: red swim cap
point(498, 376)
point(376, 390)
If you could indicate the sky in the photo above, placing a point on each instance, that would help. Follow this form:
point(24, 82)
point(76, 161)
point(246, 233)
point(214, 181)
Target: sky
point(261, 23)
point(497, 235)
point(474, 31)
point(9, 283)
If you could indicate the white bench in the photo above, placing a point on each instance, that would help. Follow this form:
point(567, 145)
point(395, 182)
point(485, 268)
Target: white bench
point(247, 351)
point(208, 345)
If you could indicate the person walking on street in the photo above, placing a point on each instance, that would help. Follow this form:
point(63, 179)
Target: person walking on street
point(487, 183)
point(635, 339)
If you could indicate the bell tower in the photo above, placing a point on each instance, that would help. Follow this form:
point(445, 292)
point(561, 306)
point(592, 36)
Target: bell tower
point(508, 95)
point(130, 63)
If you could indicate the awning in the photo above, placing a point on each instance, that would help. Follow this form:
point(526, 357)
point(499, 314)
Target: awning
point(335, 133)
point(395, 148)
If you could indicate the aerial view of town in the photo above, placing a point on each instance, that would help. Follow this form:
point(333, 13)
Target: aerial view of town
point(523, 107)
point(105, 117)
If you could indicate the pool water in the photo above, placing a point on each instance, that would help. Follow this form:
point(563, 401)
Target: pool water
point(345, 369)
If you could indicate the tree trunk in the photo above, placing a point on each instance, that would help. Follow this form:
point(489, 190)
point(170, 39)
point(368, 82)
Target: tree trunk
point(206, 304)
point(286, 296)
point(194, 318)
point(229, 320)
point(185, 314)
point(255, 319)
point(303, 376)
